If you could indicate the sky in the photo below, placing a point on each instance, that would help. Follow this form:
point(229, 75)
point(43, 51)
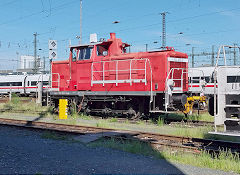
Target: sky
point(189, 23)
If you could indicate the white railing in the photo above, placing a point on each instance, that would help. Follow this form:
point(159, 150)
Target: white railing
point(174, 89)
point(57, 81)
point(170, 76)
point(101, 72)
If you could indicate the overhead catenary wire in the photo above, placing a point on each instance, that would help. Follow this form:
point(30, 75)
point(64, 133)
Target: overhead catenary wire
point(36, 13)
point(139, 27)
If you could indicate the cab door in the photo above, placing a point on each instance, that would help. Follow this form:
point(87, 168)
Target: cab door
point(83, 67)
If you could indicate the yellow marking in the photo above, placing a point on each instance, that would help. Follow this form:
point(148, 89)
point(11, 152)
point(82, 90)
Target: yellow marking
point(63, 108)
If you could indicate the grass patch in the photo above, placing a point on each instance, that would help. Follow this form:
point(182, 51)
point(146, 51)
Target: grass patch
point(225, 161)
point(141, 122)
point(132, 146)
point(16, 104)
point(126, 122)
point(160, 121)
point(53, 135)
point(79, 116)
point(85, 117)
point(113, 120)
point(103, 124)
point(200, 117)
point(199, 132)
point(142, 126)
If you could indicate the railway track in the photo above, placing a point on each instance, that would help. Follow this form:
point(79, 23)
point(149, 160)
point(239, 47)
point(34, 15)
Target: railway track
point(159, 141)
point(168, 121)
point(20, 111)
point(5, 100)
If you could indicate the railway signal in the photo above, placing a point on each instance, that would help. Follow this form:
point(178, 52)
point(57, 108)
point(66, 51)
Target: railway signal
point(52, 46)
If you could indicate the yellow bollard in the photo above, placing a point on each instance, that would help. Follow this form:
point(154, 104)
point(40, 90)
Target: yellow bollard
point(63, 108)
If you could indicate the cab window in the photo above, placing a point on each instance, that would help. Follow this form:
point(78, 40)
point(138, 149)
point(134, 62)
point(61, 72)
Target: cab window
point(74, 54)
point(102, 50)
point(85, 53)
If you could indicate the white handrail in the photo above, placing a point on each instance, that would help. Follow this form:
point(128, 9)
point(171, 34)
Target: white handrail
point(103, 72)
point(183, 71)
point(58, 79)
point(116, 72)
point(130, 76)
point(117, 80)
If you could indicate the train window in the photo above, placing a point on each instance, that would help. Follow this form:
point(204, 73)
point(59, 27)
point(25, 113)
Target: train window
point(45, 83)
point(85, 53)
point(33, 83)
point(207, 79)
point(74, 54)
point(28, 83)
point(233, 79)
point(11, 84)
point(101, 49)
point(4, 84)
point(16, 83)
point(195, 79)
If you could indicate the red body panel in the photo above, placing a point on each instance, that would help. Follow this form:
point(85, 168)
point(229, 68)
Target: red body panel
point(80, 75)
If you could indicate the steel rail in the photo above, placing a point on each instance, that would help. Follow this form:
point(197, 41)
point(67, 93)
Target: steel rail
point(132, 121)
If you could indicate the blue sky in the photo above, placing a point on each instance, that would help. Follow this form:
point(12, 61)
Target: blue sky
point(203, 23)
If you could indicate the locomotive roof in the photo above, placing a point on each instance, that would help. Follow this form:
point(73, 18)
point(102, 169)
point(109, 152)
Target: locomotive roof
point(83, 45)
point(97, 43)
point(91, 44)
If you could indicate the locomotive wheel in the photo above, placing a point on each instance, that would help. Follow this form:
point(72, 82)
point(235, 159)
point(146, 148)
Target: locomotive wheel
point(86, 111)
point(106, 112)
point(132, 112)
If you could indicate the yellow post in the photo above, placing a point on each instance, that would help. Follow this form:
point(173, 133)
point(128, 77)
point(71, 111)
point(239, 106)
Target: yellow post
point(63, 108)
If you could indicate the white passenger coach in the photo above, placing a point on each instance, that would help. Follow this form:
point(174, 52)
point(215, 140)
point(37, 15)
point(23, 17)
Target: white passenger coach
point(22, 84)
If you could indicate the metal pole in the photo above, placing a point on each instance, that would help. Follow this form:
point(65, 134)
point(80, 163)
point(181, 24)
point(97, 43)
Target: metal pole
point(215, 88)
point(49, 82)
point(212, 55)
point(146, 47)
point(80, 42)
point(163, 29)
point(192, 56)
point(35, 52)
point(39, 91)
point(234, 55)
point(50, 78)
point(44, 62)
point(17, 62)
point(215, 98)
point(10, 94)
point(224, 56)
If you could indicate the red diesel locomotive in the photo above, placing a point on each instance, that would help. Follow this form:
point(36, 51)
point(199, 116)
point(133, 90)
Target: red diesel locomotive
point(103, 78)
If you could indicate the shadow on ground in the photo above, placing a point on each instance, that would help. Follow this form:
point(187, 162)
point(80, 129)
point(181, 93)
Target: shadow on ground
point(128, 143)
point(41, 115)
